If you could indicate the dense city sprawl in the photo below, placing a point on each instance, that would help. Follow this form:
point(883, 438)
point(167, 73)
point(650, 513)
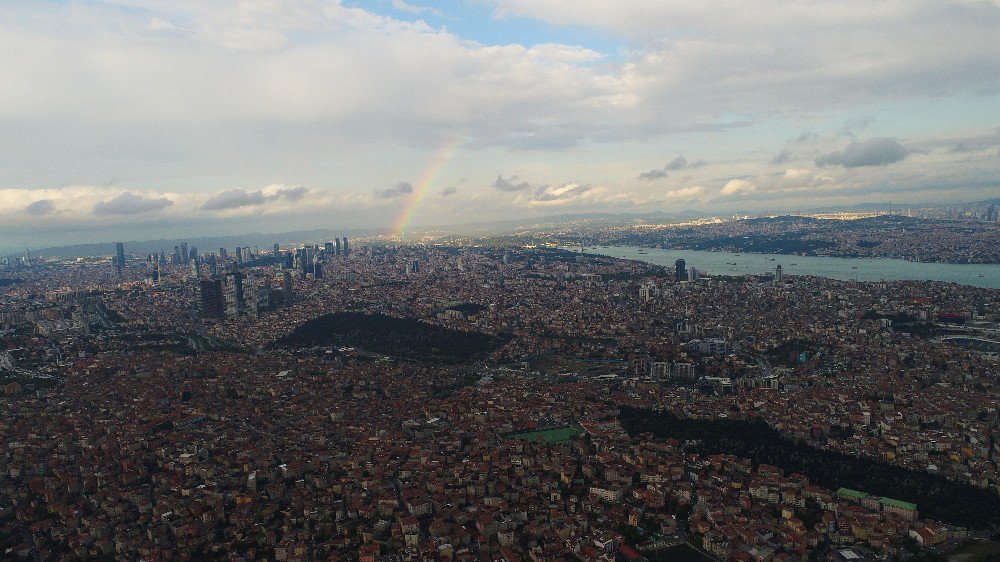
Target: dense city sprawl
point(390, 402)
point(880, 236)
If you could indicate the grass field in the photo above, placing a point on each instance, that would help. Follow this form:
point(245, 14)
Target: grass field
point(975, 552)
point(552, 435)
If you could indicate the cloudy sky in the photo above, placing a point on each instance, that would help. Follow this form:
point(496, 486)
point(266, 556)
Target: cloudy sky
point(126, 119)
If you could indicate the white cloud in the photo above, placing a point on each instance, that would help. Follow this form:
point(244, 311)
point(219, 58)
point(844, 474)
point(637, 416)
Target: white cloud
point(798, 173)
point(412, 9)
point(131, 203)
point(398, 190)
point(240, 198)
point(734, 187)
point(690, 193)
point(183, 100)
point(157, 24)
point(872, 152)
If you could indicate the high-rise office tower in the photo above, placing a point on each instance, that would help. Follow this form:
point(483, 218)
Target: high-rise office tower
point(328, 248)
point(693, 273)
point(777, 273)
point(277, 250)
point(263, 294)
point(235, 303)
point(185, 257)
point(303, 262)
point(680, 270)
point(286, 287)
point(347, 248)
point(193, 254)
point(250, 295)
point(223, 254)
point(119, 257)
point(213, 301)
point(337, 240)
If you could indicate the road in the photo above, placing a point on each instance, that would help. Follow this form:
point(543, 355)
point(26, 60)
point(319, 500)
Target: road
point(7, 363)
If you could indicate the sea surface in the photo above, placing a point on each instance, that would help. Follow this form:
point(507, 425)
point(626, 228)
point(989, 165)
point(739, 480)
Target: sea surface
point(859, 269)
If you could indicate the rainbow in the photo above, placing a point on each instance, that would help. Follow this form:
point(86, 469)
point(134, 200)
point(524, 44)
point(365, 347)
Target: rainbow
point(432, 172)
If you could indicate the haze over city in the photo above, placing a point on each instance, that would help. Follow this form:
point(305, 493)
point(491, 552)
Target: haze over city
point(140, 119)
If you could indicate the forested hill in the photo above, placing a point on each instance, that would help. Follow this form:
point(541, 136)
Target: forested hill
point(936, 497)
point(398, 337)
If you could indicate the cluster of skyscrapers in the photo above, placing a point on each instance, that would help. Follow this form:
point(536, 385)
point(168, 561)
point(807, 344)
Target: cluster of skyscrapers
point(227, 291)
point(684, 273)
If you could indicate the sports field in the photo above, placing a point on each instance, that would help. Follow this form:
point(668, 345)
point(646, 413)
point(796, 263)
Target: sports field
point(551, 435)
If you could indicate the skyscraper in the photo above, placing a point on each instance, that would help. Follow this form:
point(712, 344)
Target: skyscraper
point(680, 270)
point(119, 257)
point(250, 291)
point(234, 294)
point(777, 273)
point(337, 240)
point(185, 257)
point(303, 261)
point(347, 248)
point(286, 287)
point(212, 298)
